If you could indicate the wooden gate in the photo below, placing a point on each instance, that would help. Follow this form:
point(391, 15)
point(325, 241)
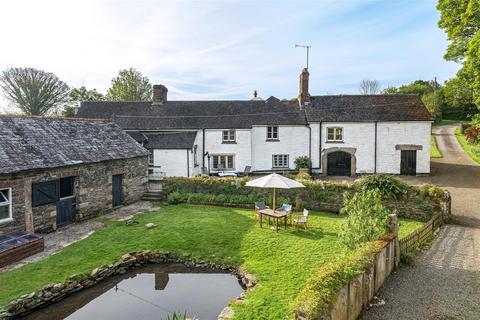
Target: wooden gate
point(408, 162)
point(117, 192)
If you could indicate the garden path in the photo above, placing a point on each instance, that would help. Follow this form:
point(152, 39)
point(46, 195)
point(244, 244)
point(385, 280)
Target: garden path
point(444, 281)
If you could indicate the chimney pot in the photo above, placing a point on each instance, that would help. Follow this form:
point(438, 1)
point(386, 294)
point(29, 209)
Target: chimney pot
point(304, 96)
point(159, 93)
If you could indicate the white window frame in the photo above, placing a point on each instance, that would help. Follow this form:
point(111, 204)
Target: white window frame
point(280, 161)
point(226, 161)
point(8, 203)
point(336, 133)
point(229, 135)
point(271, 134)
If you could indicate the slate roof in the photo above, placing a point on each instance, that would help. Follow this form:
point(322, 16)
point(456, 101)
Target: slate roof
point(170, 140)
point(195, 114)
point(174, 115)
point(352, 108)
point(28, 143)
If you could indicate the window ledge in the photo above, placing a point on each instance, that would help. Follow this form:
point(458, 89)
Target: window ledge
point(280, 168)
point(272, 140)
point(333, 141)
point(229, 142)
point(4, 221)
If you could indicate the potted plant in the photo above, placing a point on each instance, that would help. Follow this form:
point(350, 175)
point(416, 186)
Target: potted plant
point(303, 164)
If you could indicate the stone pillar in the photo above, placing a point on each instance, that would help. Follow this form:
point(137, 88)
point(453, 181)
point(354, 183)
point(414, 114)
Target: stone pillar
point(27, 191)
point(393, 228)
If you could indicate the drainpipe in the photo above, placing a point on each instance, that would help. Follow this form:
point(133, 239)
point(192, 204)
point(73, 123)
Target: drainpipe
point(375, 153)
point(309, 145)
point(188, 163)
point(320, 152)
point(203, 148)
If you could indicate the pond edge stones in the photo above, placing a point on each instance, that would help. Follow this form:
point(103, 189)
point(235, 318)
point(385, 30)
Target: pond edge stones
point(57, 291)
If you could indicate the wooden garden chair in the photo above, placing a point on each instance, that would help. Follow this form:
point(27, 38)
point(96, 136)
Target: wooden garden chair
point(260, 205)
point(287, 209)
point(301, 221)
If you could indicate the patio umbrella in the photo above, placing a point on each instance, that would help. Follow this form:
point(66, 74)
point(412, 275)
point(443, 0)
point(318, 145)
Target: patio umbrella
point(274, 181)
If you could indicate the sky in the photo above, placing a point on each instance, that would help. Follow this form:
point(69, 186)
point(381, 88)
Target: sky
point(206, 50)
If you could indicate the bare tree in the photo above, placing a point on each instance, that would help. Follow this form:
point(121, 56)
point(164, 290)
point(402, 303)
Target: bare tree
point(368, 86)
point(35, 92)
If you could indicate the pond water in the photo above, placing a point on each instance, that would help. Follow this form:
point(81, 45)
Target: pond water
point(150, 292)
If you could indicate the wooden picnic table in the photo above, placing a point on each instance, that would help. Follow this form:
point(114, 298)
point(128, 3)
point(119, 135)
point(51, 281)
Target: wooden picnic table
point(273, 214)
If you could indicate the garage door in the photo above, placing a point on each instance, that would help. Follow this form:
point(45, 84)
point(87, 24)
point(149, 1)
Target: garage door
point(339, 164)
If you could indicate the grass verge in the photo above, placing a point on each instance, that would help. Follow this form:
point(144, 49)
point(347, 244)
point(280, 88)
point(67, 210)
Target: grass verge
point(472, 149)
point(434, 151)
point(282, 262)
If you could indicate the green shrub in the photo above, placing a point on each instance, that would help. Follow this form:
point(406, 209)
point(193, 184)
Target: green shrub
point(298, 204)
point(431, 190)
point(366, 218)
point(314, 300)
point(174, 197)
point(303, 162)
point(389, 187)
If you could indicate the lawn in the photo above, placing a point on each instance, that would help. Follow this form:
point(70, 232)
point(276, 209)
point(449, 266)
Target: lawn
point(447, 121)
point(282, 262)
point(434, 152)
point(472, 149)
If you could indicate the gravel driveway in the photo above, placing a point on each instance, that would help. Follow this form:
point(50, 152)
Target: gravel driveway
point(444, 282)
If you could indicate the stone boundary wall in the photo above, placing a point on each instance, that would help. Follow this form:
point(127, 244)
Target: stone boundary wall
point(354, 297)
point(51, 293)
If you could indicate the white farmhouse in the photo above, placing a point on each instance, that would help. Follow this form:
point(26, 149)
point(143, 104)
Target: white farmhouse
point(341, 134)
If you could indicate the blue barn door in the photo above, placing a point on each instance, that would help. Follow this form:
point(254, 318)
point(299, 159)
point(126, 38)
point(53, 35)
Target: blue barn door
point(117, 193)
point(66, 211)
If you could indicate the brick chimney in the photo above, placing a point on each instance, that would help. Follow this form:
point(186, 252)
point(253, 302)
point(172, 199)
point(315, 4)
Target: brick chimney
point(304, 96)
point(159, 93)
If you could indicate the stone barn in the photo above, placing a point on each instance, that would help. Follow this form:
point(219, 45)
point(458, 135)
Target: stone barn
point(55, 171)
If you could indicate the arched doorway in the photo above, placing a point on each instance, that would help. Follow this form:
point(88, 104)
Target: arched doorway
point(339, 163)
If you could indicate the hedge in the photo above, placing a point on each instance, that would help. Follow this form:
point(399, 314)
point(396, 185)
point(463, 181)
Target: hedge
point(410, 202)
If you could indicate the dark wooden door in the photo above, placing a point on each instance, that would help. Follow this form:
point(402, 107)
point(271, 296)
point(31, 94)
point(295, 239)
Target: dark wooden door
point(66, 211)
point(117, 193)
point(408, 162)
point(339, 164)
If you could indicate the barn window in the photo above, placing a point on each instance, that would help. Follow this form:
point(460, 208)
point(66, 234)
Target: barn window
point(45, 192)
point(280, 161)
point(67, 187)
point(334, 134)
point(151, 160)
point(5, 204)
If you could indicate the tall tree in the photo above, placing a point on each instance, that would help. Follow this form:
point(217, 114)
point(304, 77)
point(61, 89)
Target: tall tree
point(130, 85)
point(77, 95)
point(461, 21)
point(368, 86)
point(35, 92)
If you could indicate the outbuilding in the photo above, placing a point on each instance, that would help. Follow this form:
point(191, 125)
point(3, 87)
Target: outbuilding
point(54, 171)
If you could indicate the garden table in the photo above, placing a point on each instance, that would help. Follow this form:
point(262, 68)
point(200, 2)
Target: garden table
point(273, 214)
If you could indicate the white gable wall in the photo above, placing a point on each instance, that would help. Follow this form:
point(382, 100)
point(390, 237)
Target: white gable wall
point(293, 140)
point(172, 161)
point(391, 134)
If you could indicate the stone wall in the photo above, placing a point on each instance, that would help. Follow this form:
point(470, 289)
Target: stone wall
point(93, 191)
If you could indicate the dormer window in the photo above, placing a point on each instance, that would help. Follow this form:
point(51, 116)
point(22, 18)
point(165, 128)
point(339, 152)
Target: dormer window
point(228, 136)
point(272, 133)
point(335, 134)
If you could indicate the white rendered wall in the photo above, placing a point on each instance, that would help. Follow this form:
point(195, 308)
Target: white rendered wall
point(241, 149)
point(293, 140)
point(358, 135)
point(172, 161)
point(391, 134)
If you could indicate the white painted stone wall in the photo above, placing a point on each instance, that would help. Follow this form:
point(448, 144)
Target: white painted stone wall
point(293, 140)
point(392, 133)
point(172, 161)
point(241, 149)
point(360, 136)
